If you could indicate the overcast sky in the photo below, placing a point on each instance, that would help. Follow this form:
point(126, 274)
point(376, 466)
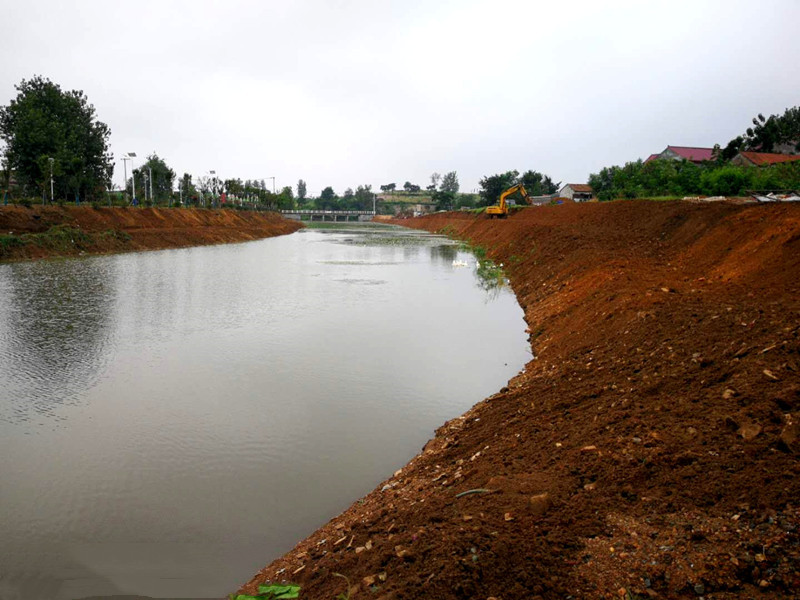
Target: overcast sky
point(344, 93)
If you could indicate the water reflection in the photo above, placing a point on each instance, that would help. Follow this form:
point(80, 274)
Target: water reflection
point(444, 253)
point(56, 326)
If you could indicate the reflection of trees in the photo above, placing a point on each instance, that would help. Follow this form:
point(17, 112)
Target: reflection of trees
point(56, 323)
point(445, 253)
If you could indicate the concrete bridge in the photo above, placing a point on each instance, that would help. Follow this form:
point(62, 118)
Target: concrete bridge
point(302, 214)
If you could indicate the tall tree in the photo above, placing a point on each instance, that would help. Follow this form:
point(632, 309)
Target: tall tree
point(364, 197)
point(450, 182)
point(776, 133)
point(186, 188)
point(302, 190)
point(327, 199)
point(44, 122)
point(163, 179)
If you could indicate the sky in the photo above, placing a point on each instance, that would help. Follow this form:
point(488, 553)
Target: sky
point(346, 93)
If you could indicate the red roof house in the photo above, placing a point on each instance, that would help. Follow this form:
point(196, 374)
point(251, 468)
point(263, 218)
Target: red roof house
point(695, 155)
point(762, 159)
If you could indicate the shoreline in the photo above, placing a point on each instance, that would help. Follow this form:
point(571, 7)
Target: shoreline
point(649, 450)
point(53, 231)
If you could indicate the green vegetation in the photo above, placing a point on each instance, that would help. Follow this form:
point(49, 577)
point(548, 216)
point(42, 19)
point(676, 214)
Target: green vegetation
point(162, 184)
point(679, 178)
point(666, 179)
point(271, 591)
point(60, 238)
point(536, 184)
point(771, 134)
point(50, 131)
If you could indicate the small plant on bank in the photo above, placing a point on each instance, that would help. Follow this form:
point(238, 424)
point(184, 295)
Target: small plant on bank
point(346, 594)
point(271, 591)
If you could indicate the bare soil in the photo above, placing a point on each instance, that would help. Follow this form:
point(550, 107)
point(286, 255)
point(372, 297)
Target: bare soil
point(109, 229)
point(649, 450)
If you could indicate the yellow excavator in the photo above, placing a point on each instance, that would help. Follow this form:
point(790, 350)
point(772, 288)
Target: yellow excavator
point(500, 209)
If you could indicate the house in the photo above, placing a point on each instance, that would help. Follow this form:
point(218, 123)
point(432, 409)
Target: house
point(695, 155)
point(576, 191)
point(762, 159)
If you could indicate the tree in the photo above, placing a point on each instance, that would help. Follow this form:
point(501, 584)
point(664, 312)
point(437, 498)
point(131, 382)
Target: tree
point(45, 122)
point(186, 188)
point(435, 179)
point(327, 199)
point(285, 199)
point(445, 199)
point(364, 197)
point(450, 182)
point(410, 187)
point(494, 185)
point(301, 190)
point(776, 133)
point(538, 184)
point(163, 179)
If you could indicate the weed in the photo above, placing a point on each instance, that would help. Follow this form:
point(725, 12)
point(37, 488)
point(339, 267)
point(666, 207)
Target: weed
point(345, 595)
point(9, 241)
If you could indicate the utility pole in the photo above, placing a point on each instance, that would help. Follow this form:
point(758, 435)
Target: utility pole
point(52, 160)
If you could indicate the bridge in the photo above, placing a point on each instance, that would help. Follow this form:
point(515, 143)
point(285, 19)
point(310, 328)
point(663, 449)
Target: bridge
point(303, 214)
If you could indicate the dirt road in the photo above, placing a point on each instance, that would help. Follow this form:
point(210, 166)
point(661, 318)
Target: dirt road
point(651, 449)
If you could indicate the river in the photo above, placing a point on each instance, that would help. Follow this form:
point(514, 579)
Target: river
point(171, 421)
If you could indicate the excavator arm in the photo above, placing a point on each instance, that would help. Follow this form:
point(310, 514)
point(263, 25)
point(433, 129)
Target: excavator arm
point(501, 208)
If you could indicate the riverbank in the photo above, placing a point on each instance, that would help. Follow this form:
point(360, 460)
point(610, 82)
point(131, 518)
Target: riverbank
point(649, 450)
point(45, 231)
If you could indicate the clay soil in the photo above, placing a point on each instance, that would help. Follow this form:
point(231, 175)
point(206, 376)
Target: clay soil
point(650, 449)
point(108, 229)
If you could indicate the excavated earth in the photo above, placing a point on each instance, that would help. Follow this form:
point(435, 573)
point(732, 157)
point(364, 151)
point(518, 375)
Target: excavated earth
point(105, 229)
point(650, 449)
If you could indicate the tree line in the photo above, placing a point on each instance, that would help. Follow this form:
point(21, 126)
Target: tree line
point(717, 177)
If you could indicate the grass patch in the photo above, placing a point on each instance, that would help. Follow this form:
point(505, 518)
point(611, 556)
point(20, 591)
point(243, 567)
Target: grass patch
point(60, 239)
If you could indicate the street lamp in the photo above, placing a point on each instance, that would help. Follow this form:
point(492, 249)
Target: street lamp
point(52, 160)
point(129, 157)
point(273, 183)
point(213, 187)
point(150, 169)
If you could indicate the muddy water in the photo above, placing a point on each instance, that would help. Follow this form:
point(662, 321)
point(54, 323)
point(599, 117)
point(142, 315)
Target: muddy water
point(170, 421)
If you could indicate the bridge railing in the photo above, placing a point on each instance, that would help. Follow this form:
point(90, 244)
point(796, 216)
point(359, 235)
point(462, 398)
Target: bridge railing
point(310, 211)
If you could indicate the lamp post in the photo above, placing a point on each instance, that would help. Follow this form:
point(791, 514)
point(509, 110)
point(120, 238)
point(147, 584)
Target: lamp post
point(213, 187)
point(52, 160)
point(273, 183)
point(150, 169)
point(129, 157)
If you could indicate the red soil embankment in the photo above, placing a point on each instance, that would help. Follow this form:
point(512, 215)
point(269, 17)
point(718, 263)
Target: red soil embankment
point(109, 229)
point(649, 450)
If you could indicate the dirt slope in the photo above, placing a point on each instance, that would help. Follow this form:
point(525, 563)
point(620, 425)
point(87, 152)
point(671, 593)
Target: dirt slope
point(650, 449)
point(29, 233)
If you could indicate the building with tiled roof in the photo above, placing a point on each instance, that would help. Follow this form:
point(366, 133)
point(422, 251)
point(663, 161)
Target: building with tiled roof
point(577, 192)
point(762, 159)
point(690, 153)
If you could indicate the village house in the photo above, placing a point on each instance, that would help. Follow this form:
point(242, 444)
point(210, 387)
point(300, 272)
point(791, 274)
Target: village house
point(762, 159)
point(695, 155)
point(579, 192)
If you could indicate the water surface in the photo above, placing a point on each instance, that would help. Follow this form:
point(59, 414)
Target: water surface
point(171, 421)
